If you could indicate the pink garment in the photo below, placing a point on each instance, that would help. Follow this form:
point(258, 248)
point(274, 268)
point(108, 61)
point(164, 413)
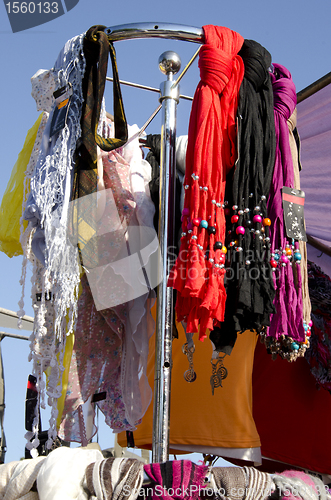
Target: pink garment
point(113, 328)
point(95, 365)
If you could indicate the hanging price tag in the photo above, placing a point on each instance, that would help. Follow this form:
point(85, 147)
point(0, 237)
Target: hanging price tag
point(62, 102)
point(293, 202)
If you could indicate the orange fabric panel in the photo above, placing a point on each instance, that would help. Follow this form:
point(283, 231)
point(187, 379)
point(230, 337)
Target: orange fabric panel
point(196, 416)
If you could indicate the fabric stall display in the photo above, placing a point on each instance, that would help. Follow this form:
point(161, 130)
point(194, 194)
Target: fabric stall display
point(47, 212)
point(226, 427)
point(318, 354)
point(66, 168)
point(249, 282)
point(286, 335)
point(114, 323)
point(198, 275)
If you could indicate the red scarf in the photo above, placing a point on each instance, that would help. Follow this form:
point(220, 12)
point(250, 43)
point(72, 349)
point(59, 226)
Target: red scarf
point(211, 153)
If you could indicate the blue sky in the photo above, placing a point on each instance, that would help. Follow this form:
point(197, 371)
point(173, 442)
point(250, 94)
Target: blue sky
point(296, 33)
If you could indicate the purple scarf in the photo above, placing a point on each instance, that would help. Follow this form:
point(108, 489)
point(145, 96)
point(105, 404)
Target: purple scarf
point(288, 319)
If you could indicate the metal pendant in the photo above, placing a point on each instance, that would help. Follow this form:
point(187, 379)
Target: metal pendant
point(219, 373)
point(189, 375)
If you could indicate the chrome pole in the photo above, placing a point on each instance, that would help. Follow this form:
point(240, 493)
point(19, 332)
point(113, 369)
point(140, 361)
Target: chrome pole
point(169, 64)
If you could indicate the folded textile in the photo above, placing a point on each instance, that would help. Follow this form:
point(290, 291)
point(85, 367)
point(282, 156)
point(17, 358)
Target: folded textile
point(114, 479)
point(228, 482)
point(62, 473)
point(17, 479)
point(176, 479)
point(292, 484)
point(259, 485)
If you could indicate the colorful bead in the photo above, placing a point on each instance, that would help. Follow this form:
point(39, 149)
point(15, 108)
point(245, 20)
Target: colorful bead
point(186, 211)
point(257, 218)
point(218, 245)
point(273, 263)
point(310, 323)
point(213, 202)
point(224, 249)
point(297, 256)
point(234, 219)
point(266, 221)
point(276, 256)
point(240, 230)
point(186, 186)
point(284, 259)
point(247, 223)
point(222, 258)
point(204, 224)
point(235, 207)
point(295, 346)
point(240, 212)
point(257, 208)
point(211, 229)
point(196, 222)
point(288, 251)
point(263, 197)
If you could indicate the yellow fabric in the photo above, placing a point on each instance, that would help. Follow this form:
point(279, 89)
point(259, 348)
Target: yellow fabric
point(11, 205)
point(66, 363)
point(197, 418)
point(70, 341)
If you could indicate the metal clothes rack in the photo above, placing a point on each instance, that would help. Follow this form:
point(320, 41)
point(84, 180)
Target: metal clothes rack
point(169, 64)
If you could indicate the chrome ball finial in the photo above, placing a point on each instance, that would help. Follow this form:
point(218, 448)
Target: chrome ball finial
point(169, 62)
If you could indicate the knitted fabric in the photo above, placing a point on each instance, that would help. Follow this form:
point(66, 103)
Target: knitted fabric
point(292, 484)
point(287, 321)
point(250, 289)
point(114, 478)
point(258, 484)
point(229, 482)
point(211, 153)
point(176, 479)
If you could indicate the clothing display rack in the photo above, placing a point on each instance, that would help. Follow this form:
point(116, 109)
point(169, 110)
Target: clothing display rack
point(169, 64)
